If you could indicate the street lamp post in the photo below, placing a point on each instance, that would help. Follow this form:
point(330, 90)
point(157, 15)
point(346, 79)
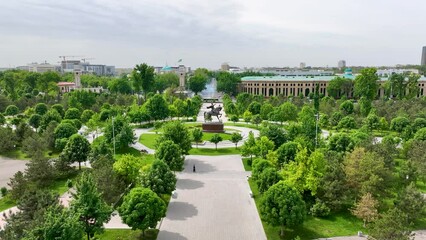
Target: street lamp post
point(113, 134)
point(316, 129)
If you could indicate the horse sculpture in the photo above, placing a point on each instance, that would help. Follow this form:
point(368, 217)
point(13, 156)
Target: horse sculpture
point(215, 111)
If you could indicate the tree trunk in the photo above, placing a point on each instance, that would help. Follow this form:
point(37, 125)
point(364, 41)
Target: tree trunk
point(197, 144)
point(216, 146)
point(79, 165)
point(364, 223)
point(282, 231)
point(236, 146)
point(88, 236)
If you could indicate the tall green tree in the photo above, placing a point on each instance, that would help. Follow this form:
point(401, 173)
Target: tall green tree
point(228, 83)
point(88, 205)
point(249, 146)
point(119, 132)
point(197, 135)
point(412, 203)
point(76, 150)
point(235, 138)
point(366, 173)
point(57, 223)
point(120, 85)
point(216, 139)
point(41, 109)
point(390, 227)
point(128, 167)
point(7, 139)
point(366, 84)
point(339, 86)
point(35, 121)
point(178, 133)
point(197, 83)
point(165, 80)
point(171, 154)
point(263, 146)
point(268, 177)
point(159, 178)
point(157, 107)
point(142, 209)
point(282, 206)
point(287, 152)
point(143, 78)
point(308, 125)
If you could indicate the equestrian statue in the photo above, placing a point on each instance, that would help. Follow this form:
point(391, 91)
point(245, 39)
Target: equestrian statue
point(214, 111)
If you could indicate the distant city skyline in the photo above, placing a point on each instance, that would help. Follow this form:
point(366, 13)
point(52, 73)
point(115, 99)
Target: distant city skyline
point(244, 33)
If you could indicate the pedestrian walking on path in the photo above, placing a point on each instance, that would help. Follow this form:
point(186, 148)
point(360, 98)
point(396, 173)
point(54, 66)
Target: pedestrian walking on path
point(193, 168)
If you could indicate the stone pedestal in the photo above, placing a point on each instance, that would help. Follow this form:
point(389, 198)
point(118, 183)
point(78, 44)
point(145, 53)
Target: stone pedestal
point(215, 127)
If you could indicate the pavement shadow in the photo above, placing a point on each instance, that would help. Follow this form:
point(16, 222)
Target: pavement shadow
point(166, 235)
point(188, 184)
point(200, 166)
point(181, 211)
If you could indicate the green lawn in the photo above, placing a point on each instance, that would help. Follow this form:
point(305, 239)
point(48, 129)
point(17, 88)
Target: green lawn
point(421, 186)
point(128, 234)
point(147, 158)
point(208, 135)
point(16, 154)
point(149, 140)
point(340, 224)
point(214, 152)
point(6, 203)
point(127, 150)
point(249, 125)
point(247, 167)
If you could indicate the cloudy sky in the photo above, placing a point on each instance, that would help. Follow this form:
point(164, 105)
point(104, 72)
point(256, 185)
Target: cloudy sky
point(206, 33)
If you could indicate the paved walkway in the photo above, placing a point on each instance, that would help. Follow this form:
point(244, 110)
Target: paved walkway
point(8, 168)
point(213, 203)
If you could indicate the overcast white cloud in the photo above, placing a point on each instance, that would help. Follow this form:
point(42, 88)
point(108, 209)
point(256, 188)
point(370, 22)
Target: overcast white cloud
point(208, 32)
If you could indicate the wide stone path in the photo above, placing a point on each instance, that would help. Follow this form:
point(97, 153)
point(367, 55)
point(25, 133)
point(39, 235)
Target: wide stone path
point(8, 167)
point(213, 203)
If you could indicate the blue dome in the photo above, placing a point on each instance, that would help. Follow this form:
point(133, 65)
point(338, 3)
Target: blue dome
point(166, 68)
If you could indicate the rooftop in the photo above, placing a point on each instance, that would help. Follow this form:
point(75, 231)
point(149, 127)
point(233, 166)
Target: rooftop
point(306, 78)
point(65, 83)
point(293, 78)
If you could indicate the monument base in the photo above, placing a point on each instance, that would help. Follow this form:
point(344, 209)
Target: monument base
point(215, 127)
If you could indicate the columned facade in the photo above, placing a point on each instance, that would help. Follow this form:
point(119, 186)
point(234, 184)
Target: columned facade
point(294, 86)
point(287, 88)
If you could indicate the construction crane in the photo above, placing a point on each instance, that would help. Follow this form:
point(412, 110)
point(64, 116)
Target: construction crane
point(84, 59)
point(65, 57)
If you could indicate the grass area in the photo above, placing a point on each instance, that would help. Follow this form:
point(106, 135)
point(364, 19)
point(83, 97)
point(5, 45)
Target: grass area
point(16, 154)
point(247, 167)
point(421, 186)
point(149, 140)
point(339, 224)
point(208, 135)
point(249, 125)
point(6, 203)
point(214, 152)
point(20, 155)
point(127, 150)
point(127, 234)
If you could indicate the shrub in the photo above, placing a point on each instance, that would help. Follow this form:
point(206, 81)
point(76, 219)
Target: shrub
point(320, 209)
point(3, 191)
point(11, 110)
point(60, 143)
